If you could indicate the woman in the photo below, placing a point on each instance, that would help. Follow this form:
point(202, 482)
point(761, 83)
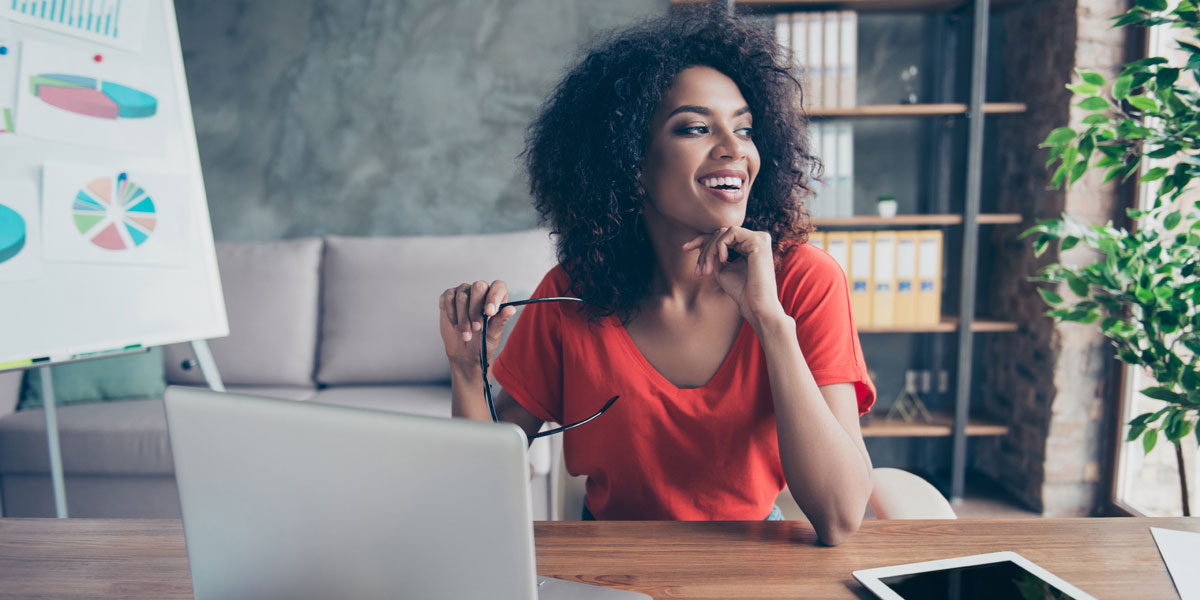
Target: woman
point(671, 164)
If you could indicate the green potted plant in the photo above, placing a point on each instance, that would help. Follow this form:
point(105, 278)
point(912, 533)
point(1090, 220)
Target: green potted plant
point(1145, 288)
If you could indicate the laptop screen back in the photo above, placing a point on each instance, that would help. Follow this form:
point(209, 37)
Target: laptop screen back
point(285, 499)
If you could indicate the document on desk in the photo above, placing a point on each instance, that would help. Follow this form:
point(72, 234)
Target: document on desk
point(1179, 550)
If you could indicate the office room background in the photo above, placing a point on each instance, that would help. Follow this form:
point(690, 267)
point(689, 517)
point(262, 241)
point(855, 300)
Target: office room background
point(386, 118)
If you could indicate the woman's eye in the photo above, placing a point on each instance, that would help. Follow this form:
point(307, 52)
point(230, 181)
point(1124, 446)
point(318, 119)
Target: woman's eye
point(746, 131)
point(693, 130)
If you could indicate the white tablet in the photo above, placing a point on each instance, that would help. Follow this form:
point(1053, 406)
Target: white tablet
point(978, 577)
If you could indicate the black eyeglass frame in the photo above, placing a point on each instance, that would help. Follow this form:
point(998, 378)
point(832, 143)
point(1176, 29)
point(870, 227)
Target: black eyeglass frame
point(483, 363)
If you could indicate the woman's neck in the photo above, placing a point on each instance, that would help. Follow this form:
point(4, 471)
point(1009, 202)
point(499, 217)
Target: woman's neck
point(674, 279)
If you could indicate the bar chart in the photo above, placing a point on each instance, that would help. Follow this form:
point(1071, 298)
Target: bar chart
point(100, 17)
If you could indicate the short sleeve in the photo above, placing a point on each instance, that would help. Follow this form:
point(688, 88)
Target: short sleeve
point(813, 290)
point(530, 366)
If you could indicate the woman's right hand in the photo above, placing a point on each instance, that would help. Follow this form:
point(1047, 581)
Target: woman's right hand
point(462, 311)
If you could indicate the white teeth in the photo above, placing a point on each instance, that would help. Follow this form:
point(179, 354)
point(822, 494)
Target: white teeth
point(713, 182)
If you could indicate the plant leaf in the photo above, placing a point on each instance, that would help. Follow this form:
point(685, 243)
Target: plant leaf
point(1145, 103)
point(1059, 136)
point(1050, 297)
point(1096, 103)
point(1159, 392)
point(1172, 220)
point(1121, 87)
point(1083, 89)
point(1093, 77)
point(1155, 173)
point(1149, 441)
point(1152, 5)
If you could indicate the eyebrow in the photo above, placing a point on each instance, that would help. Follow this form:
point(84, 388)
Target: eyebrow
point(704, 111)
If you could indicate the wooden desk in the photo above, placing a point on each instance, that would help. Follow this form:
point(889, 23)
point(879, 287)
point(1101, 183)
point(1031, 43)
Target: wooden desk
point(1108, 558)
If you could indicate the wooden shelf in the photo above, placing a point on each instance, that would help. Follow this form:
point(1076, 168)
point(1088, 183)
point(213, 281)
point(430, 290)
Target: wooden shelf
point(942, 426)
point(947, 325)
point(858, 5)
point(910, 220)
point(917, 110)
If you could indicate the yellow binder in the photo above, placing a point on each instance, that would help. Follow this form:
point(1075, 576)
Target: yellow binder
point(906, 279)
point(883, 300)
point(860, 277)
point(929, 278)
point(816, 239)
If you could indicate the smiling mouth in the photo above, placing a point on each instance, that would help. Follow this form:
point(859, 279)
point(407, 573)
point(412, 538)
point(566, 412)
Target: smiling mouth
point(728, 184)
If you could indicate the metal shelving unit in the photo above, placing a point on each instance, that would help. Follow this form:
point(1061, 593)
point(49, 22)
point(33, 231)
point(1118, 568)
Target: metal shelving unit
point(956, 425)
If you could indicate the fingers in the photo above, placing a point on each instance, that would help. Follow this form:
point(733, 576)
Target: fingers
point(496, 325)
point(468, 304)
point(479, 291)
point(462, 301)
point(497, 295)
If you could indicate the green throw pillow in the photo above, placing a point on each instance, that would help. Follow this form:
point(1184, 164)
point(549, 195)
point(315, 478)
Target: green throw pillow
point(120, 377)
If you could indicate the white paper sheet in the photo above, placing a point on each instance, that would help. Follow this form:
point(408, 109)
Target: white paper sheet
point(119, 23)
point(20, 233)
point(96, 214)
point(64, 95)
point(1180, 550)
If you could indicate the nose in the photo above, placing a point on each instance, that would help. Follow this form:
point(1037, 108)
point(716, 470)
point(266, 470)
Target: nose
point(728, 145)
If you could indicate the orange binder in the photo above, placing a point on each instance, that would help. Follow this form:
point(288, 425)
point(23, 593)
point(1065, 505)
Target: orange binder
point(906, 279)
point(860, 275)
point(883, 288)
point(929, 277)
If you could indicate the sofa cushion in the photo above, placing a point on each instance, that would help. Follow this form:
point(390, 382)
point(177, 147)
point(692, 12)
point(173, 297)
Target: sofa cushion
point(127, 437)
point(424, 400)
point(271, 295)
point(379, 320)
point(138, 375)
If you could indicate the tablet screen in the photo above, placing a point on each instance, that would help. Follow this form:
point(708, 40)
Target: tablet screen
point(1004, 579)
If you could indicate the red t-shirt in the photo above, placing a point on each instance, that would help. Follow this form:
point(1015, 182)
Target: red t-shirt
point(661, 452)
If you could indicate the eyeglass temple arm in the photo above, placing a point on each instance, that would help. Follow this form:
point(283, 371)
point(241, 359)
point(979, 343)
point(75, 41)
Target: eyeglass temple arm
point(483, 364)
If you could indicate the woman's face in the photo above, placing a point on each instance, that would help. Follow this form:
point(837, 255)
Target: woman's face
point(701, 159)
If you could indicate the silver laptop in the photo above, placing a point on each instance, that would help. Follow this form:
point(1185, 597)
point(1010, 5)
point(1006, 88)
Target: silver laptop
point(286, 499)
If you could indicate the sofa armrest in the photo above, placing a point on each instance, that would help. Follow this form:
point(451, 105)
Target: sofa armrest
point(10, 391)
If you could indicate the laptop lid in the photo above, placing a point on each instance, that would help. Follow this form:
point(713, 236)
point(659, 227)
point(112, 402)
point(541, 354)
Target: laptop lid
point(286, 499)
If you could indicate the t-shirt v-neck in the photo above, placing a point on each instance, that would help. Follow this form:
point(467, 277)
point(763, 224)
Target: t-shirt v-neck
point(715, 379)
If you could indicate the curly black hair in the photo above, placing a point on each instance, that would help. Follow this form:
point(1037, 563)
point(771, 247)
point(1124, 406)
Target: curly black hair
point(584, 150)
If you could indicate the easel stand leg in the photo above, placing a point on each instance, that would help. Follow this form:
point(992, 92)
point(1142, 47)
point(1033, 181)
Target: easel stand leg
point(56, 468)
point(208, 366)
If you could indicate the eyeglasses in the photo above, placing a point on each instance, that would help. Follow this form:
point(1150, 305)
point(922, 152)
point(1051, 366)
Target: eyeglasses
point(483, 362)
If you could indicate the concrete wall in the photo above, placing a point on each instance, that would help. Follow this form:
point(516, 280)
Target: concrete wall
point(375, 117)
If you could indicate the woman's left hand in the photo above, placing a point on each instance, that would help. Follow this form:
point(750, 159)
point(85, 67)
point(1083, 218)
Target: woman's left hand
point(750, 278)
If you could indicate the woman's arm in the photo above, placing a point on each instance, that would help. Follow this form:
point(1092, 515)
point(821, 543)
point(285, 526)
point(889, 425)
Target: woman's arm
point(824, 458)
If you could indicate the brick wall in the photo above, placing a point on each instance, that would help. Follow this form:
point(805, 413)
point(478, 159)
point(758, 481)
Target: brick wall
point(1048, 381)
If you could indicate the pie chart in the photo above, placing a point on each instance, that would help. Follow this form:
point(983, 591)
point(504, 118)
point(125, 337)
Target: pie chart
point(114, 215)
point(92, 97)
point(12, 233)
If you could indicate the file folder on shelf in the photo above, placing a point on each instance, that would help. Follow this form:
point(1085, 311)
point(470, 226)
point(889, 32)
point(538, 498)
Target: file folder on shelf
point(906, 279)
point(816, 239)
point(883, 301)
point(847, 60)
point(837, 244)
point(860, 273)
point(831, 67)
point(815, 60)
point(929, 278)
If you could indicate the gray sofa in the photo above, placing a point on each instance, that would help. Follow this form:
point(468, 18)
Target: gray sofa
point(336, 320)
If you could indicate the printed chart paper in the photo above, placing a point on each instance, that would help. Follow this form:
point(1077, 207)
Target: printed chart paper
point(119, 23)
point(98, 214)
point(9, 60)
point(1179, 550)
point(63, 95)
point(20, 243)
